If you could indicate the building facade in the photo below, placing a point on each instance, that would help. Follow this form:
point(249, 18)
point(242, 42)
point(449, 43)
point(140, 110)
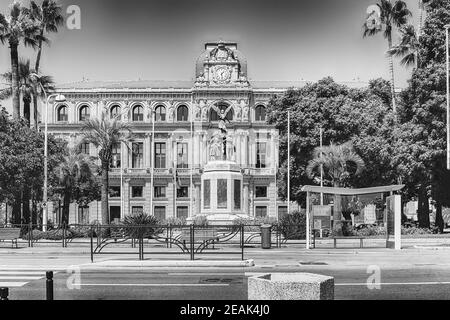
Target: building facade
point(172, 123)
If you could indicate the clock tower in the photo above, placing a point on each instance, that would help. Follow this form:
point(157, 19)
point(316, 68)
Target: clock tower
point(221, 65)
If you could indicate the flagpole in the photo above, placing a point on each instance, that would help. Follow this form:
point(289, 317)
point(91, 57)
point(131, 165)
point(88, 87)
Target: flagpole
point(321, 169)
point(289, 163)
point(152, 164)
point(191, 192)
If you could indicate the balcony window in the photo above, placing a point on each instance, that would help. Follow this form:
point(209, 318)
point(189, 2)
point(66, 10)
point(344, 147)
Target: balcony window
point(138, 114)
point(261, 155)
point(160, 155)
point(213, 116)
point(116, 156)
point(182, 113)
point(261, 212)
point(115, 113)
point(62, 114)
point(138, 155)
point(84, 148)
point(137, 210)
point(260, 113)
point(85, 113)
point(182, 212)
point(182, 155)
point(160, 114)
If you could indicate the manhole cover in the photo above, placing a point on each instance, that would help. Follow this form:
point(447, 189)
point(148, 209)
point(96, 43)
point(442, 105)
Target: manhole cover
point(315, 263)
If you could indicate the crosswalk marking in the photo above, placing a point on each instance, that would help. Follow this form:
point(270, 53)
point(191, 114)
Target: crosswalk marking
point(11, 278)
point(12, 284)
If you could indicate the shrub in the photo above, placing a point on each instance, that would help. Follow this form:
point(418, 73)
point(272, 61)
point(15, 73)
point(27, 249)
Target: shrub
point(200, 221)
point(293, 225)
point(140, 225)
point(416, 231)
point(174, 221)
point(82, 231)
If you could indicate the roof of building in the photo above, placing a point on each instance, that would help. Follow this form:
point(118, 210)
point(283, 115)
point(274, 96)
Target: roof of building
point(182, 84)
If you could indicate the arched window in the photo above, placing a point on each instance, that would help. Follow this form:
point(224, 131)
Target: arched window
point(84, 113)
point(138, 113)
point(160, 114)
point(62, 114)
point(182, 113)
point(260, 113)
point(213, 116)
point(115, 113)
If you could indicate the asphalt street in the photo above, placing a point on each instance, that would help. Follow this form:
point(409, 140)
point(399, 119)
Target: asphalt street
point(426, 282)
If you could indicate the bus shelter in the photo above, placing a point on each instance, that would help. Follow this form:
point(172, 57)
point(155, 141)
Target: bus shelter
point(333, 211)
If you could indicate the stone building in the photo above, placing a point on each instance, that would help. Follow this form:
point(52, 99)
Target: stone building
point(173, 123)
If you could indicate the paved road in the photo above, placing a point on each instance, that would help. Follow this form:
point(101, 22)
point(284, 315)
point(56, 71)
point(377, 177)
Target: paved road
point(425, 282)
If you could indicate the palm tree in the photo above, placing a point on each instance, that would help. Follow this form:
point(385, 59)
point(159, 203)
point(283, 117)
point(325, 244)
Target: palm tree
point(27, 86)
point(339, 162)
point(105, 133)
point(75, 167)
point(49, 17)
point(408, 48)
point(15, 28)
point(391, 15)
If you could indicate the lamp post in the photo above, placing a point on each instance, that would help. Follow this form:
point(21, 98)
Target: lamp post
point(448, 95)
point(58, 98)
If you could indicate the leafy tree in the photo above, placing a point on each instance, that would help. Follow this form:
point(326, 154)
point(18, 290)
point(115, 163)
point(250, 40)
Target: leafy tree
point(15, 28)
point(362, 116)
point(105, 133)
point(21, 164)
point(420, 149)
point(76, 181)
point(391, 15)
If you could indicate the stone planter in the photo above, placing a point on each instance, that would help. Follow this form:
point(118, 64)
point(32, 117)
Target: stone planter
point(291, 286)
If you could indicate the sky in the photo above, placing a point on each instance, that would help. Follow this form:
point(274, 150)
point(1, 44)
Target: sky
point(161, 40)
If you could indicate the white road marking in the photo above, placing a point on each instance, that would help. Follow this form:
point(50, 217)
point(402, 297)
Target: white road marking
point(394, 283)
point(23, 272)
point(205, 274)
point(12, 284)
point(20, 277)
point(153, 285)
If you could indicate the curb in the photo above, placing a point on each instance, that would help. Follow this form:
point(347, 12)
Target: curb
point(432, 247)
point(120, 264)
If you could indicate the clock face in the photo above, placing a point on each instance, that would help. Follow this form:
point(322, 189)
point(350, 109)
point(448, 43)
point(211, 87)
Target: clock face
point(222, 74)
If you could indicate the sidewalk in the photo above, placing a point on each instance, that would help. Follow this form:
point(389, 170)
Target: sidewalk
point(287, 256)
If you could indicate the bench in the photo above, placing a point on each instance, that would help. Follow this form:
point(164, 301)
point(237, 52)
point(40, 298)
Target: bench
point(349, 237)
point(10, 234)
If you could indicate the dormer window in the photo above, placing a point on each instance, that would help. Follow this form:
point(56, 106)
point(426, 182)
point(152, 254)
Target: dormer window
point(260, 113)
point(84, 113)
point(62, 114)
point(138, 114)
point(182, 113)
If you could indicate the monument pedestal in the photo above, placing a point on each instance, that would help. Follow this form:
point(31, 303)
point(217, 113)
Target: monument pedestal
point(222, 196)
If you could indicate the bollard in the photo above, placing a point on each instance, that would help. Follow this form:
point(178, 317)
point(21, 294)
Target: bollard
point(4, 292)
point(49, 284)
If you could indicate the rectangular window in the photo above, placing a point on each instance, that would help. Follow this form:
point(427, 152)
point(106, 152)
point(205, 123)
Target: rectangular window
point(260, 192)
point(138, 155)
point(237, 194)
point(84, 148)
point(160, 192)
point(114, 191)
point(260, 155)
point(182, 155)
point(182, 212)
point(83, 215)
point(160, 155)
point(282, 212)
point(116, 156)
point(207, 193)
point(137, 192)
point(261, 212)
point(137, 210)
point(160, 213)
point(221, 193)
point(182, 192)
